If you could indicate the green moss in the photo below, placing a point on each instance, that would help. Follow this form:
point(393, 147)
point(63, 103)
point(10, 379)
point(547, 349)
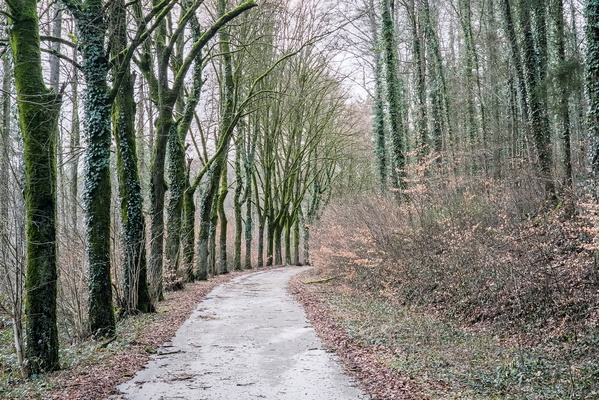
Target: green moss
point(38, 116)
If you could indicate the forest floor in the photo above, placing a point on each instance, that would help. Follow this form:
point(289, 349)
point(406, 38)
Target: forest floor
point(93, 370)
point(393, 351)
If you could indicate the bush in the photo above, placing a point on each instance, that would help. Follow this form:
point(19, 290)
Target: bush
point(474, 250)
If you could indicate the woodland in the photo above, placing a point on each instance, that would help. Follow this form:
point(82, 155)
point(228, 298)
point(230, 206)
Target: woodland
point(437, 161)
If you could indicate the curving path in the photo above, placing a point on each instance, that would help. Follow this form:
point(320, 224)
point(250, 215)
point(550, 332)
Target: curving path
point(248, 339)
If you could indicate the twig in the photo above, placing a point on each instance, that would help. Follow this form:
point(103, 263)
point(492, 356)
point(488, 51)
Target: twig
point(320, 280)
point(165, 353)
point(106, 343)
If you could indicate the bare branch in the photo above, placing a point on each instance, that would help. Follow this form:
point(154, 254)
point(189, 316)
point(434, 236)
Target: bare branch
point(56, 39)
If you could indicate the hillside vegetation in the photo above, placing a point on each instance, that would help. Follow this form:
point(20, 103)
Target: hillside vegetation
point(478, 289)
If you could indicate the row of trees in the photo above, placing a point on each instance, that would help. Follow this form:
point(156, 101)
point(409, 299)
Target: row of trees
point(192, 113)
point(485, 87)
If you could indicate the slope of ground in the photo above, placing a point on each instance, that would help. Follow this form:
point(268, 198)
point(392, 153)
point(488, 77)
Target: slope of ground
point(471, 297)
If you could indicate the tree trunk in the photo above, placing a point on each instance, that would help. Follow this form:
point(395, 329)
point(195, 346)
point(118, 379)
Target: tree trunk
point(296, 241)
point(177, 185)
point(288, 224)
point(592, 86)
point(442, 136)
point(418, 55)
point(188, 233)
point(277, 243)
point(535, 61)
point(39, 109)
point(394, 98)
point(270, 241)
point(222, 218)
point(563, 95)
point(465, 19)
point(206, 202)
point(136, 296)
point(378, 120)
point(237, 198)
point(5, 153)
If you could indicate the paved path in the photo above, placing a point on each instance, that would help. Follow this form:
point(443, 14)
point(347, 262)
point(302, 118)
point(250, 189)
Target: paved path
point(249, 339)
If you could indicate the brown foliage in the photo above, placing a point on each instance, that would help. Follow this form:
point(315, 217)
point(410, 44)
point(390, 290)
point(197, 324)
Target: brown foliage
point(478, 251)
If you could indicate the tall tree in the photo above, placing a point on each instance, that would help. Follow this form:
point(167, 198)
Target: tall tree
point(165, 93)
point(418, 53)
point(441, 130)
point(477, 123)
point(563, 93)
point(591, 13)
point(136, 296)
point(378, 120)
point(39, 108)
point(534, 55)
point(395, 96)
point(92, 27)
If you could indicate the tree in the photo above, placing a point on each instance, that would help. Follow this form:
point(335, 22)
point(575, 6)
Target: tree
point(534, 55)
point(92, 26)
point(591, 13)
point(136, 296)
point(395, 99)
point(165, 93)
point(441, 131)
point(378, 120)
point(39, 108)
point(418, 53)
point(476, 136)
point(563, 95)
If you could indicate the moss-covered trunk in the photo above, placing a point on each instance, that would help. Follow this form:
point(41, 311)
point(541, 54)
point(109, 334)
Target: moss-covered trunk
point(564, 95)
point(418, 54)
point(592, 85)
point(277, 243)
point(237, 203)
point(92, 28)
point(188, 233)
point(534, 51)
point(177, 185)
point(395, 97)
point(38, 116)
point(222, 218)
point(288, 225)
point(165, 128)
point(296, 240)
point(441, 128)
point(5, 153)
point(181, 207)
point(270, 240)
point(248, 229)
point(206, 202)
point(136, 296)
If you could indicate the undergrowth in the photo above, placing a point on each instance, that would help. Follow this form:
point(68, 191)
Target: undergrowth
point(482, 290)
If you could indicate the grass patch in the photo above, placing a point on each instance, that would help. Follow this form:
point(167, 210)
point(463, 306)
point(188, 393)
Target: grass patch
point(454, 363)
